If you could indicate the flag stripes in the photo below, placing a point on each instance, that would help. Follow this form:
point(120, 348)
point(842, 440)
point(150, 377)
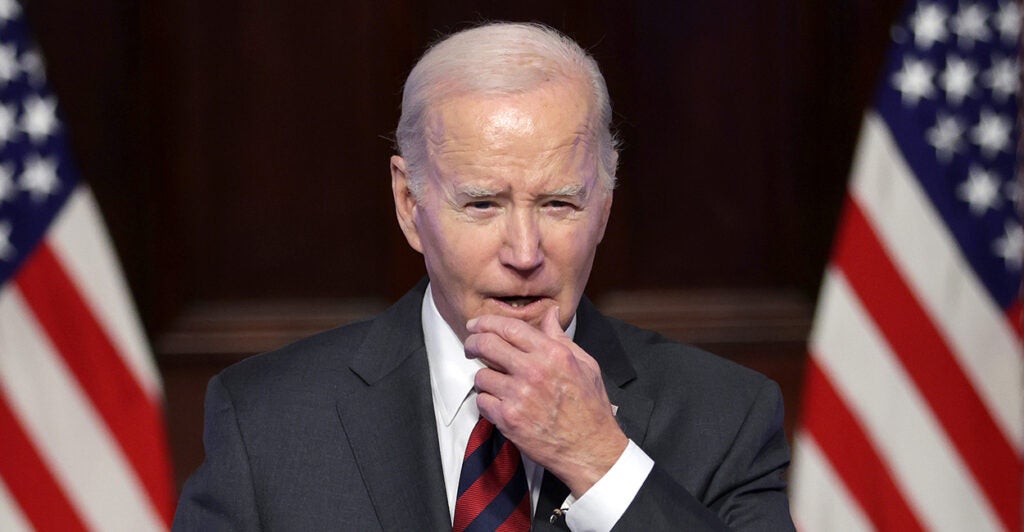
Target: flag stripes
point(30, 484)
point(823, 488)
point(929, 261)
point(80, 394)
point(924, 355)
point(88, 258)
point(131, 417)
point(913, 412)
point(11, 518)
point(79, 425)
point(880, 395)
point(839, 435)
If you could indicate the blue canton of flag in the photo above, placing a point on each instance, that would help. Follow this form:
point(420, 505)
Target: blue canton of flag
point(950, 99)
point(36, 173)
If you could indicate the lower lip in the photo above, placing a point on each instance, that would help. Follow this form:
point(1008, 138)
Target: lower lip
point(522, 310)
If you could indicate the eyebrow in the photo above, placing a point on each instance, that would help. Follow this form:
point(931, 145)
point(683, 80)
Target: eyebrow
point(578, 189)
point(474, 191)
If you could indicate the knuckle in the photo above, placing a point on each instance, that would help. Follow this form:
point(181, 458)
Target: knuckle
point(534, 375)
point(561, 355)
point(513, 416)
point(512, 329)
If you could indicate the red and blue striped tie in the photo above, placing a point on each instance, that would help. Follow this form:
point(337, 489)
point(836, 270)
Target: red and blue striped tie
point(492, 488)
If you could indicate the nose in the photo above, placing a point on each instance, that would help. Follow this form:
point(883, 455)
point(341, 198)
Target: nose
point(522, 248)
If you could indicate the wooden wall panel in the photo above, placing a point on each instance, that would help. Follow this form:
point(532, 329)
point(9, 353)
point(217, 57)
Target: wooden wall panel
point(239, 150)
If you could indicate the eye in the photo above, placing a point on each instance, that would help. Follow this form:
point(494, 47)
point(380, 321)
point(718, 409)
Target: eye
point(558, 204)
point(481, 205)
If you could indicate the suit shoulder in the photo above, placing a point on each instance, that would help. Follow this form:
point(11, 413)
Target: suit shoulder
point(657, 358)
point(302, 359)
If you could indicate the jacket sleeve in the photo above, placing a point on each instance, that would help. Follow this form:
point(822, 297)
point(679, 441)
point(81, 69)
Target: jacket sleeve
point(746, 492)
point(219, 495)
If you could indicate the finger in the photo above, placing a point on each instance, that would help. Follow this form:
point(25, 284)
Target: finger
point(516, 332)
point(551, 326)
point(493, 382)
point(490, 408)
point(553, 329)
point(492, 350)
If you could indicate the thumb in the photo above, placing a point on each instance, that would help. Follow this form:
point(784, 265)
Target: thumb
point(550, 325)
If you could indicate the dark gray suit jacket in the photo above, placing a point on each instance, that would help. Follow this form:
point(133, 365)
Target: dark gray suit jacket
point(337, 432)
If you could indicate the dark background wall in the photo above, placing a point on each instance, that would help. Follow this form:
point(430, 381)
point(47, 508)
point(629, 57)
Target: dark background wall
point(239, 152)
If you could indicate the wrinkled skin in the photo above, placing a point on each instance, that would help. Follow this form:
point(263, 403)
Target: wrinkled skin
point(508, 219)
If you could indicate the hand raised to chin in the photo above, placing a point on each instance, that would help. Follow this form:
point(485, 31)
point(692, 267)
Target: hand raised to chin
point(546, 395)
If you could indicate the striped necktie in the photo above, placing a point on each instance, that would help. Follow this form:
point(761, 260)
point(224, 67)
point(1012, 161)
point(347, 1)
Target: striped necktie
point(492, 487)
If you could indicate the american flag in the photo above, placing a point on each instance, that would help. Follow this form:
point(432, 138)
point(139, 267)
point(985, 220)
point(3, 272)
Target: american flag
point(82, 441)
point(914, 402)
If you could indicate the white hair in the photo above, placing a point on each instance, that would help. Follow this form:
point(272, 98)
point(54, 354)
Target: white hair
point(500, 58)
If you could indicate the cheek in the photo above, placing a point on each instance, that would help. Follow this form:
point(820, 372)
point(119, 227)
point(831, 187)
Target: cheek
point(464, 249)
point(572, 254)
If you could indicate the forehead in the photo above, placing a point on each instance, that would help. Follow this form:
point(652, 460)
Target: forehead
point(542, 130)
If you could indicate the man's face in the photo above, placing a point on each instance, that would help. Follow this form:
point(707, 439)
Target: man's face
point(512, 207)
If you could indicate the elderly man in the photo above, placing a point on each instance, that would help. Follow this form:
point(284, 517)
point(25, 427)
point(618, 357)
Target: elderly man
point(493, 395)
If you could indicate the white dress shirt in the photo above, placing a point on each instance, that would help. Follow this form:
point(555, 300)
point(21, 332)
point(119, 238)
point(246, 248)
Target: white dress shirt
point(456, 413)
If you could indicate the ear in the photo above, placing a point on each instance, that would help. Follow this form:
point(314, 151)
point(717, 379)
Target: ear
point(405, 202)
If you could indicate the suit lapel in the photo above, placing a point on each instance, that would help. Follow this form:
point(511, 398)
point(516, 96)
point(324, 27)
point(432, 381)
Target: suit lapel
point(595, 335)
point(390, 422)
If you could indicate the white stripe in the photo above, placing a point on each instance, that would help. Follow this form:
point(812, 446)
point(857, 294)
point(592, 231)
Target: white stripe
point(11, 517)
point(819, 498)
point(79, 239)
point(925, 466)
point(923, 250)
point(70, 437)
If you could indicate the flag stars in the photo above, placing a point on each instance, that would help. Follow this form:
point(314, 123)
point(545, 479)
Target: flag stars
point(929, 25)
point(1010, 246)
point(945, 137)
point(39, 178)
point(980, 191)
point(7, 187)
point(914, 80)
point(1007, 22)
point(32, 64)
point(40, 118)
point(9, 9)
point(958, 79)
point(9, 66)
point(8, 124)
point(1003, 78)
point(969, 25)
point(992, 134)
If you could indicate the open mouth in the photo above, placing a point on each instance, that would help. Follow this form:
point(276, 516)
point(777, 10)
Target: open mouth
point(518, 301)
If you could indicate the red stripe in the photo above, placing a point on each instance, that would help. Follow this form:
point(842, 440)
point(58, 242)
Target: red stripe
point(487, 486)
point(842, 439)
point(28, 479)
point(135, 421)
point(520, 518)
point(930, 362)
point(481, 433)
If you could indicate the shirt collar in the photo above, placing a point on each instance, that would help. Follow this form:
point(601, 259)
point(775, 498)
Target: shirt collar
point(451, 373)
